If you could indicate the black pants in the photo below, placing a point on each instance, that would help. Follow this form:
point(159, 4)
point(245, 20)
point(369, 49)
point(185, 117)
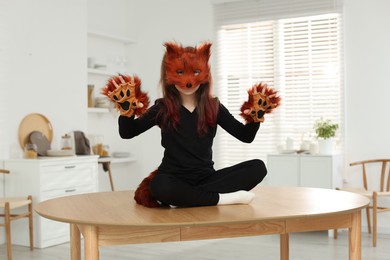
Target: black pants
point(170, 189)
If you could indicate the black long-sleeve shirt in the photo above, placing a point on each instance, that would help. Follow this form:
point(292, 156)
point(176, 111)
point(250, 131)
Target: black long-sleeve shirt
point(186, 153)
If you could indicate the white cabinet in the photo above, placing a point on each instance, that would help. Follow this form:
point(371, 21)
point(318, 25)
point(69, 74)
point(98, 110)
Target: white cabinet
point(47, 178)
point(318, 171)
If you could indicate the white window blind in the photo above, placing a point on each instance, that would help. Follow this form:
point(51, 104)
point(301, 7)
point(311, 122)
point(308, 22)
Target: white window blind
point(300, 56)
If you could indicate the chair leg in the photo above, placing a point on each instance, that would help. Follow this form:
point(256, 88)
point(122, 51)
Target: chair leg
point(30, 223)
point(374, 216)
point(107, 165)
point(8, 230)
point(368, 219)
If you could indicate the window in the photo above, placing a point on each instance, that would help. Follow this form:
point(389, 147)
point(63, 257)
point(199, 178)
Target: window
point(301, 57)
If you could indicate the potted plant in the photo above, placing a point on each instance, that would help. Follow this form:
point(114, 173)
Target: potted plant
point(325, 131)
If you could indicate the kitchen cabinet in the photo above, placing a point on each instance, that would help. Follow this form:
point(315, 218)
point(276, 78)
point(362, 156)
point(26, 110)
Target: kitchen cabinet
point(47, 178)
point(302, 170)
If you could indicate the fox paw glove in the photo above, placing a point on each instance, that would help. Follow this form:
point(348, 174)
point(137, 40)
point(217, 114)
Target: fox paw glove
point(125, 92)
point(261, 100)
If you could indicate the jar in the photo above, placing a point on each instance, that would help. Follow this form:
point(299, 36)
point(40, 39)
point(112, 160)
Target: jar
point(105, 151)
point(97, 144)
point(90, 95)
point(66, 142)
point(289, 143)
point(30, 151)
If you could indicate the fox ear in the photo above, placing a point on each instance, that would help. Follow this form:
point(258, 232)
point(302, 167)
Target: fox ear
point(204, 50)
point(173, 49)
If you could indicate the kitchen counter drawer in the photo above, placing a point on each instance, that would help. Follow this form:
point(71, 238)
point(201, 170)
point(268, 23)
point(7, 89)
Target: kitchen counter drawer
point(66, 175)
point(52, 194)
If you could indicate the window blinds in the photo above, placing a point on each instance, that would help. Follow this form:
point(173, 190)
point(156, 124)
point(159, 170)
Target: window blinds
point(300, 56)
point(243, 11)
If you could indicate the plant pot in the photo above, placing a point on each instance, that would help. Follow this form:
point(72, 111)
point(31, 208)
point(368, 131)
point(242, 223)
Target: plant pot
point(325, 146)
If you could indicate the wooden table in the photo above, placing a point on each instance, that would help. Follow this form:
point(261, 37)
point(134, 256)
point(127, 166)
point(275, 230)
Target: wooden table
point(113, 218)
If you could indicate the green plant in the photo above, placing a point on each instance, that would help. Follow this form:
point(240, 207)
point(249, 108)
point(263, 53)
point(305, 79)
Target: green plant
point(325, 128)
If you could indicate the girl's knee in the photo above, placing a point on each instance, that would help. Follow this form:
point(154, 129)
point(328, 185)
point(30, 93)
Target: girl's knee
point(258, 169)
point(162, 187)
point(259, 165)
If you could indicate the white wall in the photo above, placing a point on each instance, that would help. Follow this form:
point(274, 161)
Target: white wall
point(5, 31)
point(367, 56)
point(45, 66)
point(367, 41)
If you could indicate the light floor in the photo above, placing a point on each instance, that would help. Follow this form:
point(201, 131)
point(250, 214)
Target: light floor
point(303, 246)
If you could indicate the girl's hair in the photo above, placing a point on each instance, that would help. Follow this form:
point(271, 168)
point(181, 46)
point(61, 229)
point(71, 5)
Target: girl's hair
point(206, 105)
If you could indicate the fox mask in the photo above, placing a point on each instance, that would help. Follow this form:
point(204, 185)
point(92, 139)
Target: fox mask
point(187, 67)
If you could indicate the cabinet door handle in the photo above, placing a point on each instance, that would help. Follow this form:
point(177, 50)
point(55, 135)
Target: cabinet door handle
point(70, 166)
point(70, 190)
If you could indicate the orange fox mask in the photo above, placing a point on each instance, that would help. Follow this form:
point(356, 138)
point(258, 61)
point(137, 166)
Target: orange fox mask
point(187, 67)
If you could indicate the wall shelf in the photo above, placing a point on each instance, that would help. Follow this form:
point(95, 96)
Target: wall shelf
point(101, 72)
point(123, 160)
point(111, 37)
point(116, 159)
point(98, 110)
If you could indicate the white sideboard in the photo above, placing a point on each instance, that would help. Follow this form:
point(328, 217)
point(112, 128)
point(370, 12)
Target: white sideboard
point(304, 170)
point(47, 178)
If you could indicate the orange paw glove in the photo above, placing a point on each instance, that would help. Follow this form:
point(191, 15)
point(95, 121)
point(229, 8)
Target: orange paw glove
point(125, 92)
point(261, 100)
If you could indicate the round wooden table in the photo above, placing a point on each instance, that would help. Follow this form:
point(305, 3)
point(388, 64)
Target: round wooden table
point(113, 218)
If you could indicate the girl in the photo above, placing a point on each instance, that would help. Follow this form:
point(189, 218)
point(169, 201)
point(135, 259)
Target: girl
point(188, 117)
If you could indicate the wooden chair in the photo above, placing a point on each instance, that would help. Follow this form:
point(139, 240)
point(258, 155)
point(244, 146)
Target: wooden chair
point(371, 192)
point(8, 204)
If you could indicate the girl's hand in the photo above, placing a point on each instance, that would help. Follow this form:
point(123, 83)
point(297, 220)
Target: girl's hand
point(261, 100)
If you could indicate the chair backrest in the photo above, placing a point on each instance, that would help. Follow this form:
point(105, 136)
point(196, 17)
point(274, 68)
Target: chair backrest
point(384, 179)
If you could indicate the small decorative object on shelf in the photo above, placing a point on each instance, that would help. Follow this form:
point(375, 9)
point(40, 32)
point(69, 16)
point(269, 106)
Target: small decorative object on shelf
point(91, 62)
point(66, 142)
point(325, 131)
point(325, 128)
point(90, 95)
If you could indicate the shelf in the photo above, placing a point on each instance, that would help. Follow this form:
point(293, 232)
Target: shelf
point(111, 37)
point(101, 72)
point(123, 160)
point(116, 160)
point(98, 110)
